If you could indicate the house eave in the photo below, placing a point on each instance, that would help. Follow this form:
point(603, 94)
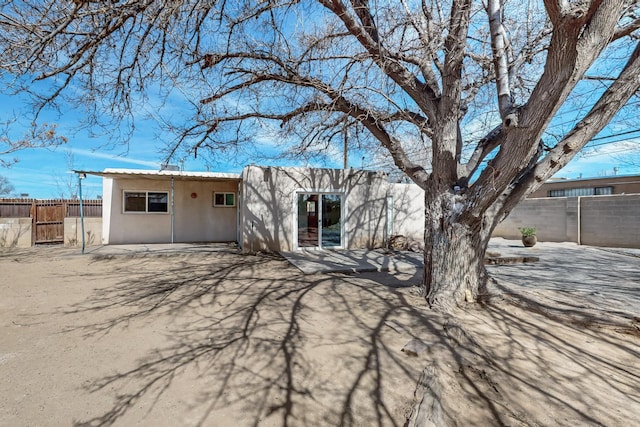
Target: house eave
point(162, 175)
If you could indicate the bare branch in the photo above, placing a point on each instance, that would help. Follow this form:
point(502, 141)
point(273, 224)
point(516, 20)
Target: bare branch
point(628, 29)
point(499, 46)
point(38, 136)
point(483, 148)
point(391, 71)
point(422, 94)
point(618, 93)
point(574, 47)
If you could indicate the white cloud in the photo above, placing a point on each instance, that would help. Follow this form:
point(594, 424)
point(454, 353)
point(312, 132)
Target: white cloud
point(109, 156)
point(606, 159)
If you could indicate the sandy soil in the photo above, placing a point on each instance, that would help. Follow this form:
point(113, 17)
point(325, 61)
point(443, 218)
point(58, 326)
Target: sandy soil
point(214, 338)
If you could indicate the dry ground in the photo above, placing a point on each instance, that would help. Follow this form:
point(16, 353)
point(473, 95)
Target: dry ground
point(214, 338)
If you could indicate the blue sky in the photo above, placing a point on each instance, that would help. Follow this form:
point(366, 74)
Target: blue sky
point(44, 172)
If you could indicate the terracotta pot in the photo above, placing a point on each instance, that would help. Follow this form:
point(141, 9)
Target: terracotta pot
point(529, 241)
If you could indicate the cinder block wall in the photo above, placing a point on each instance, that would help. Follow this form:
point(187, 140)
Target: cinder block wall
point(15, 232)
point(595, 220)
point(611, 221)
point(73, 231)
point(555, 218)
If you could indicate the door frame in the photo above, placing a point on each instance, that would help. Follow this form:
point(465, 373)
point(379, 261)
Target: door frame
point(343, 215)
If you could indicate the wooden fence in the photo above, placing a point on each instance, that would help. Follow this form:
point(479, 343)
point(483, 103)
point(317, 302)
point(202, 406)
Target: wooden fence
point(48, 215)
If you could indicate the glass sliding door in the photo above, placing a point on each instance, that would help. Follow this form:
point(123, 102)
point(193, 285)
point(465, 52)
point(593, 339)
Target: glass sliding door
point(331, 220)
point(308, 220)
point(319, 220)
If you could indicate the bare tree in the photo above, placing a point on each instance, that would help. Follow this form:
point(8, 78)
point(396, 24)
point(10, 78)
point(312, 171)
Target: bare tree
point(37, 136)
point(390, 71)
point(6, 188)
point(67, 186)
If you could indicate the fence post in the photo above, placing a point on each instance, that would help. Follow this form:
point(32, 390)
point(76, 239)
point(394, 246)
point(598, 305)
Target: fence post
point(579, 221)
point(80, 177)
point(33, 214)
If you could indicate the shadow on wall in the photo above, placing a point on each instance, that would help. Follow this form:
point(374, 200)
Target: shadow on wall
point(12, 233)
point(73, 231)
point(264, 211)
point(90, 240)
point(270, 215)
point(408, 212)
point(366, 218)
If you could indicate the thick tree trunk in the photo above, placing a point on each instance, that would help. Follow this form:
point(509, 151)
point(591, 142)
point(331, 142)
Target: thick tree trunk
point(455, 246)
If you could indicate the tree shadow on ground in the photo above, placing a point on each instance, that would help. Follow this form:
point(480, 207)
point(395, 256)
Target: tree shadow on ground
point(568, 340)
point(263, 341)
point(575, 366)
point(254, 341)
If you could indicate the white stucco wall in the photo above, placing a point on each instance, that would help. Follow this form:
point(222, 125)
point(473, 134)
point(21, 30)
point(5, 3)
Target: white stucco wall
point(73, 231)
point(366, 219)
point(195, 218)
point(15, 232)
point(107, 195)
point(408, 207)
point(269, 213)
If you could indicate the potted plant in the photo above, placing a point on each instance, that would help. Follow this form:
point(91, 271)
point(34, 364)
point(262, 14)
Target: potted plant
point(528, 236)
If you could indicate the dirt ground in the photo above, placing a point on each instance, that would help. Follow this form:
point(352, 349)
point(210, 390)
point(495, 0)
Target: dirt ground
point(214, 338)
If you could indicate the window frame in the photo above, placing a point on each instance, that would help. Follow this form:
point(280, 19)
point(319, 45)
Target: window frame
point(146, 202)
point(605, 190)
point(225, 194)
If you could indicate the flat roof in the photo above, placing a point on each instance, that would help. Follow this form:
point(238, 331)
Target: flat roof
point(593, 178)
point(163, 174)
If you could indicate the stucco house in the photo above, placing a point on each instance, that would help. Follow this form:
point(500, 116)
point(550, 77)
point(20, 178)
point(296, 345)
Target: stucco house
point(142, 206)
point(262, 208)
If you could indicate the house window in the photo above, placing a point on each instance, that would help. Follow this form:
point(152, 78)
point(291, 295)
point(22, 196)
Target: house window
point(227, 200)
point(146, 201)
point(577, 192)
point(603, 191)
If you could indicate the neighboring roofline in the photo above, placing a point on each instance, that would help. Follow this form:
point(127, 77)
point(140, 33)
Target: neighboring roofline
point(163, 174)
point(595, 178)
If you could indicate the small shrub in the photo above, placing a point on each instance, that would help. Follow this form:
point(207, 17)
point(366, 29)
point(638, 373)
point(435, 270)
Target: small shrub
point(527, 231)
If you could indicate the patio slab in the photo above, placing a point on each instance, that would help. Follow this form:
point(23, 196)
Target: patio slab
point(160, 248)
point(363, 260)
point(353, 261)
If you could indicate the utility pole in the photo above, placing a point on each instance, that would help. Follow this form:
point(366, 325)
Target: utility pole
point(346, 152)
